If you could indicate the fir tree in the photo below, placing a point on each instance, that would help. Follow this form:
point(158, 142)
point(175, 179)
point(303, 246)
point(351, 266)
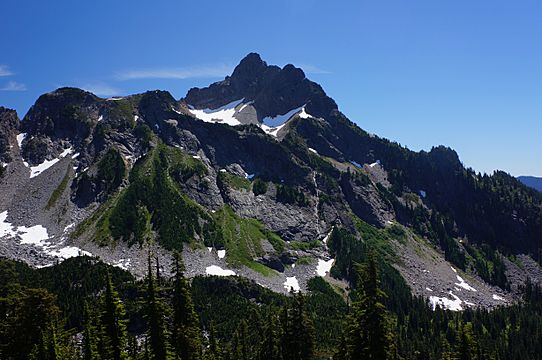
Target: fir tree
point(214, 347)
point(89, 341)
point(186, 337)
point(298, 331)
point(155, 320)
point(113, 323)
point(369, 333)
point(270, 346)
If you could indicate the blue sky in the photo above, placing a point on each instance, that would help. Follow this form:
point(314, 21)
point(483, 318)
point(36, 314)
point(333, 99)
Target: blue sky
point(463, 73)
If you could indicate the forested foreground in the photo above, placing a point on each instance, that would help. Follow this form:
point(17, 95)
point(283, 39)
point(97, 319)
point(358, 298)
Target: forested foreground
point(84, 309)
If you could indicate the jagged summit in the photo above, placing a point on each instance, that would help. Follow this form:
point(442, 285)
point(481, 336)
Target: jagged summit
point(257, 93)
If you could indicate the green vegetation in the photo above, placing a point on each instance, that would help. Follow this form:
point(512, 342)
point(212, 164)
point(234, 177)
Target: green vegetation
point(304, 245)
point(291, 195)
point(153, 200)
point(242, 239)
point(59, 190)
point(233, 181)
point(111, 170)
point(259, 187)
point(244, 318)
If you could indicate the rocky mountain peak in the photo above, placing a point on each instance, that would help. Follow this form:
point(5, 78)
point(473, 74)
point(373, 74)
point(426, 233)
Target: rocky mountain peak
point(267, 90)
point(251, 66)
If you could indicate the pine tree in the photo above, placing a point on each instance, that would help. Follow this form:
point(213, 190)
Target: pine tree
point(297, 341)
point(155, 320)
point(214, 347)
point(465, 346)
point(113, 323)
point(369, 334)
point(89, 342)
point(186, 336)
point(242, 349)
point(270, 346)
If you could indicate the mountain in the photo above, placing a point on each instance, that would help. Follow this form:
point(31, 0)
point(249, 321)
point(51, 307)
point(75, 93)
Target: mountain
point(258, 175)
point(532, 181)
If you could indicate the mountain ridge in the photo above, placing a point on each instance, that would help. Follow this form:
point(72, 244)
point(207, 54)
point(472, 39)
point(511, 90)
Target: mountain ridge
point(115, 176)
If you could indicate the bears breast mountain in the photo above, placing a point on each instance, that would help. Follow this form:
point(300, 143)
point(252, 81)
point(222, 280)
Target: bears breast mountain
point(258, 175)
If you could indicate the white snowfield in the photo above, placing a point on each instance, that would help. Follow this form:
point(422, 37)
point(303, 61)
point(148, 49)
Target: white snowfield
point(291, 283)
point(35, 235)
point(218, 271)
point(279, 120)
point(324, 267)
point(462, 283)
point(38, 169)
point(221, 254)
point(68, 252)
point(223, 114)
point(226, 115)
point(497, 297)
point(326, 238)
point(38, 236)
point(20, 139)
point(445, 303)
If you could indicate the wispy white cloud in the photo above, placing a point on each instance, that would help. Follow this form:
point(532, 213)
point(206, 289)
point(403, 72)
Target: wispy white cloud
point(101, 89)
point(312, 69)
point(175, 73)
point(13, 86)
point(4, 71)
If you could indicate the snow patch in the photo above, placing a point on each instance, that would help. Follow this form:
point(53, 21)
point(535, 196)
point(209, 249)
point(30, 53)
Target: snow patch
point(304, 115)
point(68, 252)
point(326, 238)
point(454, 270)
point(218, 271)
point(273, 131)
point(223, 114)
point(324, 267)
point(291, 283)
point(423, 194)
point(445, 303)
point(69, 227)
point(377, 162)
point(276, 121)
point(429, 289)
point(221, 254)
point(462, 283)
point(497, 297)
point(313, 151)
point(124, 264)
point(38, 169)
point(20, 139)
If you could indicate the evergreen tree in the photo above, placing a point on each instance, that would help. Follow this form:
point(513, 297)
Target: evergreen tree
point(113, 324)
point(298, 331)
point(155, 320)
point(214, 346)
point(465, 347)
point(186, 337)
point(369, 333)
point(270, 346)
point(89, 341)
